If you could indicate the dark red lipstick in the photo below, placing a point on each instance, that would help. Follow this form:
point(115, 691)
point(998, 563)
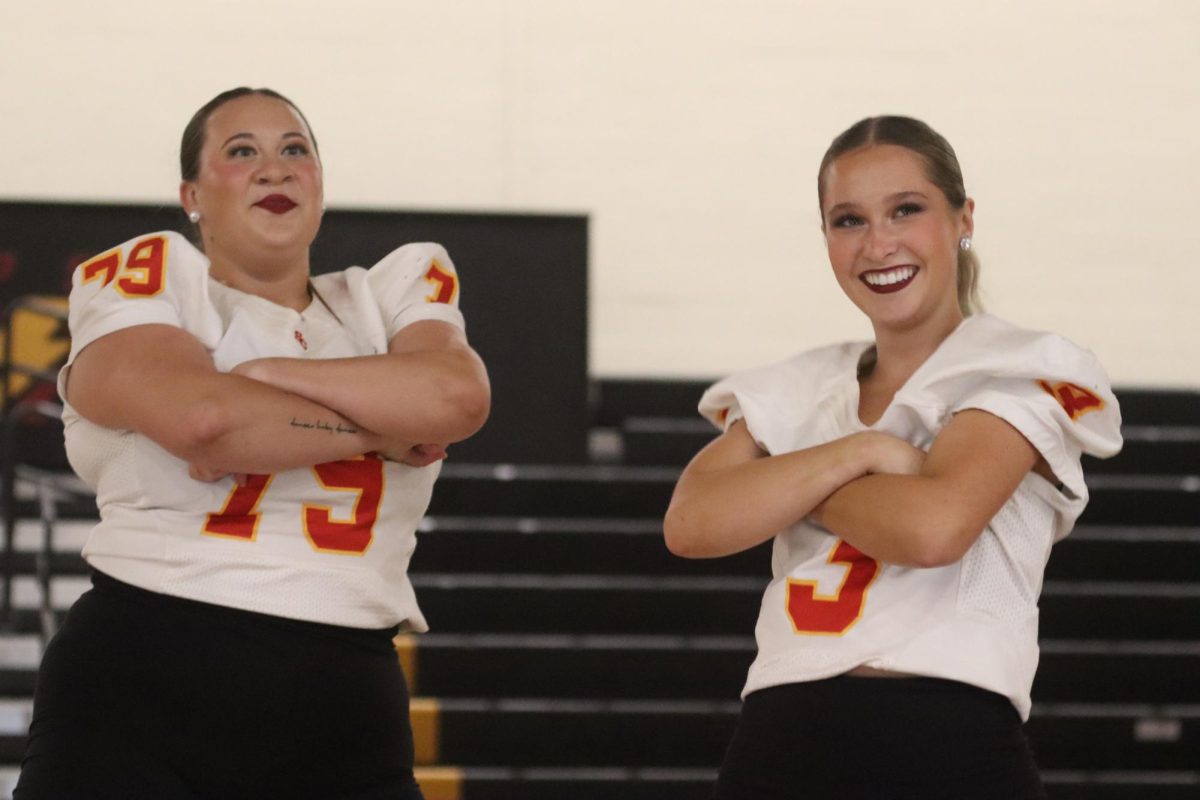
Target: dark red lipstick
point(886, 281)
point(276, 203)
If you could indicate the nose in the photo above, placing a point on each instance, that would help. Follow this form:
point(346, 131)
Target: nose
point(880, 243)
point(273, 169)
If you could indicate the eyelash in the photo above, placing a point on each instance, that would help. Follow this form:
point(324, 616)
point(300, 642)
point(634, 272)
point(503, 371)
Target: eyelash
point(902, 210)
point(243, 150)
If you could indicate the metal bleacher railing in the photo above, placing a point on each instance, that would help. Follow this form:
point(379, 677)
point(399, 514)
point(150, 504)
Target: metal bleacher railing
point(32, 459)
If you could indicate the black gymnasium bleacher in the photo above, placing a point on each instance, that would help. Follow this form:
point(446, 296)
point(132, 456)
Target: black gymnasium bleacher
point(571, 656)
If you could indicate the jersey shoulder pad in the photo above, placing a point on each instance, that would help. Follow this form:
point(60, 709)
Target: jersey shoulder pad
point(413, 283)
point(1053, 391)
point(154, 278)
point(783, 392)
point(144, 266)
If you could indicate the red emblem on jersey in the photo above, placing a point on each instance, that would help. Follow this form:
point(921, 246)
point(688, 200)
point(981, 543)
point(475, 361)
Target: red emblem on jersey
point(300, 339)
point(445, 283)
point(1075, 400)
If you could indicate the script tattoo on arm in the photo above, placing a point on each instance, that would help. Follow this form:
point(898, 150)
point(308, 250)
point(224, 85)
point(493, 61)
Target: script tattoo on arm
point(322, 425)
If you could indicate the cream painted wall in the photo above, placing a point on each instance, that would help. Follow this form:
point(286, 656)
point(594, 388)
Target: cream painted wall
point(689, 132)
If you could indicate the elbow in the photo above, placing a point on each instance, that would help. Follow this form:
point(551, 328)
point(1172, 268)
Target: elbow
point(452, 404)
point(473, 405)
point(467, 402)
point(941, 546)
point(680, 538)
point(198, 432)
point(677, 543)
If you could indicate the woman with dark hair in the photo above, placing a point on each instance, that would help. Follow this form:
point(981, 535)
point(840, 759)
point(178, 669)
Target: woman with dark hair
point(262, 443)
point(913, 487)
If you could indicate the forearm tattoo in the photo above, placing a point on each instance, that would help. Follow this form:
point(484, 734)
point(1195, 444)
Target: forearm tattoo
point(322, 425)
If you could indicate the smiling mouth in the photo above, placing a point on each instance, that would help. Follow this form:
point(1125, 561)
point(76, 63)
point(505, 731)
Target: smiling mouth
point(886, 281)
point(276, 204)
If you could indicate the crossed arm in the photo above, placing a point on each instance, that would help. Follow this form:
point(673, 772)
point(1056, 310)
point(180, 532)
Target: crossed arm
point(885, 497)
point(274, 414)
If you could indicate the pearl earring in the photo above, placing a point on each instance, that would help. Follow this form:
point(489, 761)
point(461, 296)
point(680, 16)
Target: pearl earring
point(194, 216)
point(964, 243)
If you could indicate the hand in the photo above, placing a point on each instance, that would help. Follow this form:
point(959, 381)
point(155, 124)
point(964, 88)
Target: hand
point(881, 454)
point(417, 455)
point(207, 475)
point(422, 455)
point(890, 455)
point(255, 368)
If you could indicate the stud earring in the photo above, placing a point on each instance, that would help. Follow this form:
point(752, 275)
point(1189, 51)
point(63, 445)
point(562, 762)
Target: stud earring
point(194, 216)
point(964, 243)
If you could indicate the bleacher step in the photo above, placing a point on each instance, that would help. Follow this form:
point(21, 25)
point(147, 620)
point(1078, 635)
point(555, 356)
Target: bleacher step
point(635, 547)
point(510, 490)
point(712, 667)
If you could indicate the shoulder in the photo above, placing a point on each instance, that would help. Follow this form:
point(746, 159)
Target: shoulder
point(148, 266)
point(423, 267)
point(1045, 385)
point(419, 263)
point(820, 362)
point(792, 386)
point(412, 283)
point(414, 261)
point(169, 246)
point(410, 261)
point(156, 278)
point(986, 343)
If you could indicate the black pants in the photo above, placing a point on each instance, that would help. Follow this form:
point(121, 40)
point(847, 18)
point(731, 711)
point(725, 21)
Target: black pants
point(851, 738)
point(141, 695)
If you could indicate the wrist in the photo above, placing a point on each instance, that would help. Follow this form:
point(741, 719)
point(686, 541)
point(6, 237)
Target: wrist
point(257, 369)
point(864, 457)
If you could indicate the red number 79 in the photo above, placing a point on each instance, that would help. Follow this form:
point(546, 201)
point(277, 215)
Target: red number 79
point(239, 517)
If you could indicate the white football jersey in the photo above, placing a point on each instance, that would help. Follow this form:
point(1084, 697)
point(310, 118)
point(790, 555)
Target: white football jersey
point(330, 543)
point(828, 607)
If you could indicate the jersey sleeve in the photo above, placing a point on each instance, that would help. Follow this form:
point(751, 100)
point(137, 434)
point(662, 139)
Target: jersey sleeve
point(779, 401)
point(1058, 397)
point(414, 283)
point(146, 280)
point(721, 405)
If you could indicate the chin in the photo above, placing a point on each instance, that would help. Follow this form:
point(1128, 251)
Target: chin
point(915, 316)
point(283, 238)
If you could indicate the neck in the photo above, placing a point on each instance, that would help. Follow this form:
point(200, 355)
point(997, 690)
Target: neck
point(900, 353)
point(285, 285)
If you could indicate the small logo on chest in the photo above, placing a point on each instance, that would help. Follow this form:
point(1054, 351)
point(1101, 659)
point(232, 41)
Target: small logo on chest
point(300, 339)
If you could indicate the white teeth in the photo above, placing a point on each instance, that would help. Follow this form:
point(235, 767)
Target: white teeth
point(890, 276)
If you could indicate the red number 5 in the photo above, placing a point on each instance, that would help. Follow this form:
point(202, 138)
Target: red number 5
point(832, 615)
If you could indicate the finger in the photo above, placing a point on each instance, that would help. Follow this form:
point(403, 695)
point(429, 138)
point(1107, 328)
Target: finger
point(416, 458)
point(204, 474)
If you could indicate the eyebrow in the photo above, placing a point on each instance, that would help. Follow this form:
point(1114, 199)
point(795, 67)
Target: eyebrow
point(891, 198)
point(246, 135)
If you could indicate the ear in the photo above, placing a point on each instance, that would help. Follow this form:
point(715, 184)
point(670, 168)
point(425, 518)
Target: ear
point(967, 218)
point(187, 196)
